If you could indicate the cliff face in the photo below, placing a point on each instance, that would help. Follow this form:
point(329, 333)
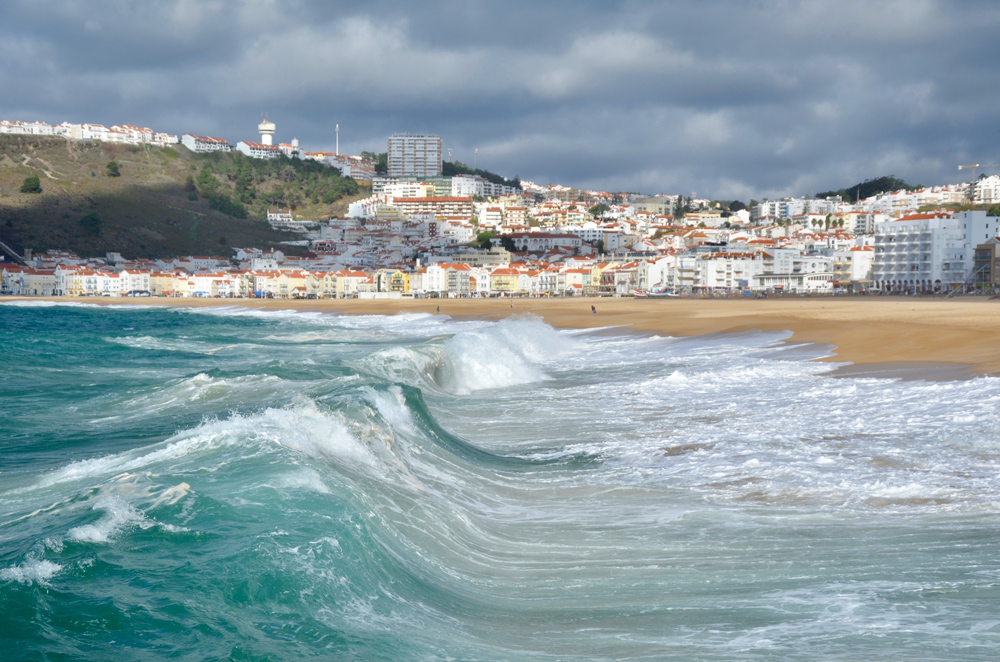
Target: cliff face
point(163, 203)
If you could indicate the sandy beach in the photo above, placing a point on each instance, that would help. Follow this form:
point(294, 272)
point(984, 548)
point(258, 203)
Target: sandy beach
point(863, 331)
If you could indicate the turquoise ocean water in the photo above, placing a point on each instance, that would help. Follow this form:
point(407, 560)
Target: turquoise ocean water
point(237, 484)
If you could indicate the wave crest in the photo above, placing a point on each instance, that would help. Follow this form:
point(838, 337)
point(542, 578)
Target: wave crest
point(510, 353)
point(32, 571)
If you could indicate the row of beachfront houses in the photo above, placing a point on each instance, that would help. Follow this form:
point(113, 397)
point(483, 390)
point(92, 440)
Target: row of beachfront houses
point(702, 269)
point(929, 252)
point(75, 281)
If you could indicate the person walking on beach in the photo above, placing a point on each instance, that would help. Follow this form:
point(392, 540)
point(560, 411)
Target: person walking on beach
point(593, 310)
point(439, 309)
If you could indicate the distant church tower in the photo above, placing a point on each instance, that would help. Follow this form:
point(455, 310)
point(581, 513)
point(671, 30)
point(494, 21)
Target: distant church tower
point(266, 129)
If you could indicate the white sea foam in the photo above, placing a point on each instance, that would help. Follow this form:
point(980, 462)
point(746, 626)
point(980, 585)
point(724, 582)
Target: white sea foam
point(200, 389)
point(303, 479)
point(76, 304)
point(729, 422)
point(246, 311)
point(301, 427)
point(205, 438)
point(510, 353)
point(172, 344)
point(306, 429)
point(413, 366)
point(118, 514)
point(391, 404)
point(48, 304)
point(401, 324)
point(305, 337)
point(32, 571)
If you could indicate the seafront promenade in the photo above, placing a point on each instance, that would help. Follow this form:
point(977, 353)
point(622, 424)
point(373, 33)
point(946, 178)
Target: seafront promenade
point(860, 330)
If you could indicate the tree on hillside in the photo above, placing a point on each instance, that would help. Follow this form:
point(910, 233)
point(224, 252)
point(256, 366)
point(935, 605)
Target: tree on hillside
point(681, 208)
point(736, 205)
point(207, 181)
point(223, 203)
point(91, 224)
point(452, 168)
point(381, 161)
point(870, 187)
point(483, 239)
point(31, 185)
point(113, 169)
point(994, 210)
point(598, 210)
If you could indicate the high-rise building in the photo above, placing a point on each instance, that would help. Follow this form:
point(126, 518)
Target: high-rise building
point(417, 155)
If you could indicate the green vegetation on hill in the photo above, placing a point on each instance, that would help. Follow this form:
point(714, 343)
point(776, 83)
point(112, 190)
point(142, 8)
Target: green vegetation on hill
point(31, 185)
point(162, 203)
point(598, 210)
point(262, 184)
point(381, 161)
point(452, 168)
point(870, 187)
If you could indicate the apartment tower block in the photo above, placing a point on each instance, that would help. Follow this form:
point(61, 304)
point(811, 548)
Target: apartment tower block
point(414, 155)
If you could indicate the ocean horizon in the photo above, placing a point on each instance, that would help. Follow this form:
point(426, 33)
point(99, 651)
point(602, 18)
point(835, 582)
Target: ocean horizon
point(231, 483)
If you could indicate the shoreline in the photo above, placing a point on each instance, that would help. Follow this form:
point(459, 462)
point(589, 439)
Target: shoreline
point(900, 334)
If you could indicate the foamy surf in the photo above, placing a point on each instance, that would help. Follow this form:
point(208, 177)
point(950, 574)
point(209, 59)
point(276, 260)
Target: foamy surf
point(32, 571)
point(417, 488)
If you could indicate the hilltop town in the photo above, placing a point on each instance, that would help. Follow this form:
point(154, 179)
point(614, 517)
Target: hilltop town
point(419, 232)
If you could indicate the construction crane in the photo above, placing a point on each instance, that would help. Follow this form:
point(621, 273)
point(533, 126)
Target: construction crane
point(967, 167)
point(978, 165)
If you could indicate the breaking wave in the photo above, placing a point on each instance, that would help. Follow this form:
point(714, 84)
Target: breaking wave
point(510, 353)
point(287, 486)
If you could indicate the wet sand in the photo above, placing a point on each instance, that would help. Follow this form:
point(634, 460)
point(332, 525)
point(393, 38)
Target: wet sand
point(905, 331)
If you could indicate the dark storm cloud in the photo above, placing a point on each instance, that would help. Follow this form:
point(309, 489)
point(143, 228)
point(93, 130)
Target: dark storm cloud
point(726, 99)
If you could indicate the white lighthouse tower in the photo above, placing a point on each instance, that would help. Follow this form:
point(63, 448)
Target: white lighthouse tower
point(266, 129)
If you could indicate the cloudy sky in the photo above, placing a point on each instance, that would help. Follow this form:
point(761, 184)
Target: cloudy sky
point(727, 99)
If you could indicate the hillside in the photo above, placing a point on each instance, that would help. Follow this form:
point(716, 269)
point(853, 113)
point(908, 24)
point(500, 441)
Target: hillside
point(870, 187)
point(452, 168)
point(163, 203)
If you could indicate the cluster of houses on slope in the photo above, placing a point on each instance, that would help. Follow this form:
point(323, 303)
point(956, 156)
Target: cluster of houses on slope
point(119, 133)
point(923, 252)
point(361, 169)
point(629, 243)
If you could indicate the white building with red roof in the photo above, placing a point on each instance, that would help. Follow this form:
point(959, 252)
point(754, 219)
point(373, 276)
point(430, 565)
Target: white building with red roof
point(205, 143)
point(258, 150)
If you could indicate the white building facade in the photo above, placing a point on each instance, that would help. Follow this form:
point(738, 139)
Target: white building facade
point(258, 150)
point(929, 252)
point(987, 190)
point(205, 143)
